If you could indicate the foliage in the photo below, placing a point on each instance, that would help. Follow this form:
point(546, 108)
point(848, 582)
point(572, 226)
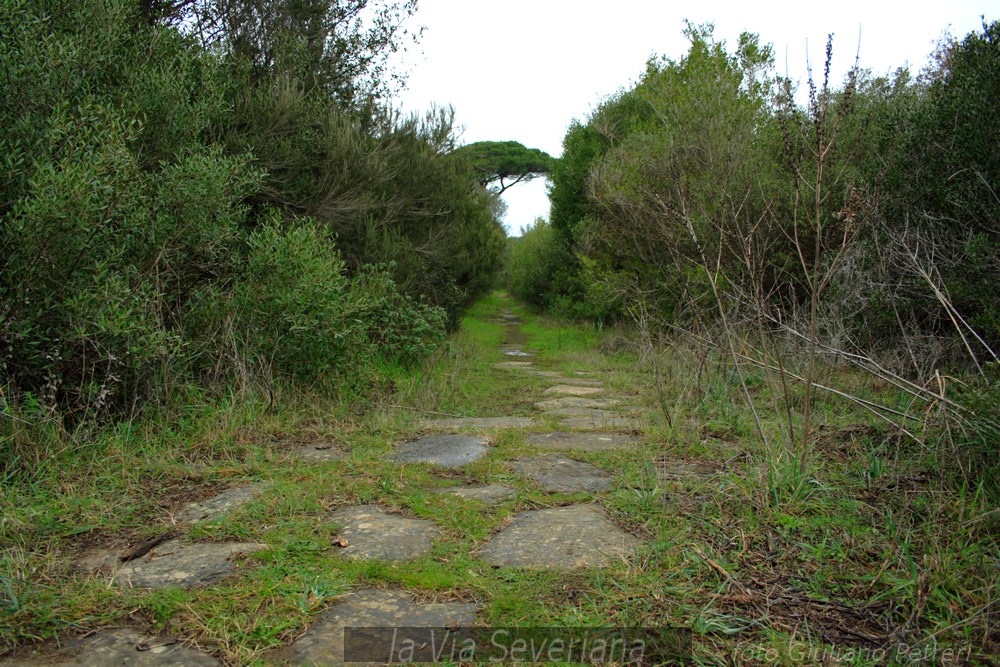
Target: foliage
point(494, 161)
point(529, 268)
point(583, 145)
point(943, 197)
point(862, 223)
point(338, 48)
point(704, 159)
point(540, 272)
point(389, 193)
point(654, 175)
point(295, 306)
point(173, 216)
point(396, 325)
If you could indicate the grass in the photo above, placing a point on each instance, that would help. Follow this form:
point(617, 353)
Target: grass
point(764, 567)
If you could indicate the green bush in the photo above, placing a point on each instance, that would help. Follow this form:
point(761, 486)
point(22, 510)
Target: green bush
point(168, 214)
point(398, 327)
point(294, 305)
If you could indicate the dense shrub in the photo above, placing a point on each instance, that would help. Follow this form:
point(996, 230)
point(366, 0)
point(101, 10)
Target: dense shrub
point(707, 171)
point(172, 214)
point(397, 326)
point(295, 306)
point(861, 224)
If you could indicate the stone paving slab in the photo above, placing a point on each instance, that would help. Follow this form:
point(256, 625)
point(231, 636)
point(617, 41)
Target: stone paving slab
point(527, 368)
point(215, 507)
point(173, 563)
point(596, 424)
point(549, 375)
point(374, 534)
point(575, 402)
point(448, 451)
point(121, 646)
point(489, 495)
point(572, 390)
point(587, 442)
point(559, 538)
point(557, 473)
point(582, 382)
point(479, 422)
point(316, 453)
point(595, 413)
point(513, 365)
point(323, 644)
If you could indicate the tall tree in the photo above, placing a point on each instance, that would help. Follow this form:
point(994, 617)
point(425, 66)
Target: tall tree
point(494, 161)
point(339, 46)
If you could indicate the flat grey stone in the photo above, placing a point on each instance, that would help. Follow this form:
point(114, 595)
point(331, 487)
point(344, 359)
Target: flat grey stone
point(517, 353)
point(121, 646)
point(586, 442)
point(551, 375)
point(595, 413)
point(677, 469)
point(596, 423)
point(448, 451)
point(513, 365)
point(559, 538)
point(572, 390)
point(173, 563)
point(214, 507)
point(374, 534)
point(323, 644)
point(577, 381)
point(575, 402)
point(315, 452)
point(98, 560)
point(479, 422)
point(527, 368)
point(556, 473)
point(490, 495)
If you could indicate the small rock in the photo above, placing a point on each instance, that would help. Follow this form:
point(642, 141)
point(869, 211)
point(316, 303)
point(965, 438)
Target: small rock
point(316, 453)
point(323, 644)
point(374, 534)
point(173, 563)
point(597, 423)
point(479, 423)
point(595, 413)
point(215, 507)
point(572, 390)
point(122, 646)
point(575, 402)
point(559, 538)
point(557, 473)
point(586, 442)
point(448, 451)
point(513, 365)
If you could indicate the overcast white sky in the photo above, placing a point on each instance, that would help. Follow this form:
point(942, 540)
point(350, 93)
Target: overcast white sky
point(522, 70)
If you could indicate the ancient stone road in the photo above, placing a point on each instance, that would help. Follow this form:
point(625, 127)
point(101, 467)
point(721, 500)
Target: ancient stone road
point(558, 538)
